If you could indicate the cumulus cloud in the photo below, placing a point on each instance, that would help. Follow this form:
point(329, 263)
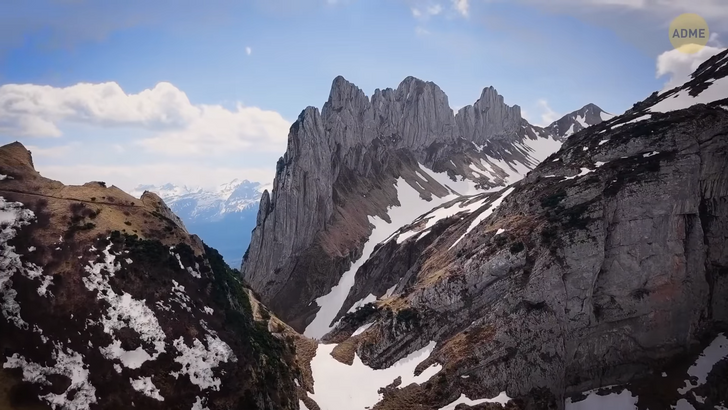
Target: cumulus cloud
point(461, 6)
point(248, 50)
point(426, 11)
point(177, 126)
point(678, 66)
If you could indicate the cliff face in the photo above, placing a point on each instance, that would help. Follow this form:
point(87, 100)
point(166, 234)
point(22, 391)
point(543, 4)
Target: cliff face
point(347, 166)
point(107, 303)
point(606, 266)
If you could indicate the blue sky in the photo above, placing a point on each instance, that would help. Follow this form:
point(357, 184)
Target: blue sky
point(235, 74)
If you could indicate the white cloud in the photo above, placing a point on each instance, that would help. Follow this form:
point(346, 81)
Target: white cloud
point(426, 11)
point(177, 126)
point(248, 50)
point(461, 6)
point(678, 65)
point(131, 176)
point(548, 115)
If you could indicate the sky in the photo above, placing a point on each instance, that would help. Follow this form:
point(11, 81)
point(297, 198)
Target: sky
point(202, 92)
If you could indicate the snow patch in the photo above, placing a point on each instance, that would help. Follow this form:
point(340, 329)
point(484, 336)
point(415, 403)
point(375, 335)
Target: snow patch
point(368, 299)
point(410, 204)
point(483, 215)
point(199, 361)
point(340, 386)
point(14, 216)
point(362, 329)
point(463, 399)
point(145, 386)
point(622, 401)
point(715, 352)
point(606, 116)
point(79, 395)
point(123, 311)
point(717, 90)
point(180, 296)
point(584, 171)
point(199, 404)
point(650, 154)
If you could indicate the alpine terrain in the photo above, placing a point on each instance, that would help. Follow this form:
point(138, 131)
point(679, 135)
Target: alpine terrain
point(406, 258)
point(109, 303)
point(475, 260)
point(222, 217)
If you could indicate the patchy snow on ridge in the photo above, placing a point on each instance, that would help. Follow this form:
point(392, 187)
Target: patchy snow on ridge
point(493, 206)
point(80, 393)
point(14, 216)
point(502, 398)
point(717, 90)
point(123, 311)
point(440, 213)
point(199, 360)
point(411, 204)
point(340, 386)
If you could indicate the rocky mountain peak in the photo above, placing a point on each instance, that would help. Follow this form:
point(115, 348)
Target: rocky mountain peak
point(107, 302)
point(347, 164)
point(17, 155)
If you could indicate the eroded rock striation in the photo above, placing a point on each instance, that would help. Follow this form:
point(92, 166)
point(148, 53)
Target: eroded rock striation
point(606, 266)
point(342, 168)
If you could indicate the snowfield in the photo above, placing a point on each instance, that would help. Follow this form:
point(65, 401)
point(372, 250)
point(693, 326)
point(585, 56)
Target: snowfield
point(340, 386)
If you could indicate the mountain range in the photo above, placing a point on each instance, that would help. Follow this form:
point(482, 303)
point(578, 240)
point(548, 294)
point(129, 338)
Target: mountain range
point(223, 217)
point(405, 257)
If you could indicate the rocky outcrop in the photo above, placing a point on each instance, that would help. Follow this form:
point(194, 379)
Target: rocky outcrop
point(605, 266)
point(108, 303)
point(340, 169)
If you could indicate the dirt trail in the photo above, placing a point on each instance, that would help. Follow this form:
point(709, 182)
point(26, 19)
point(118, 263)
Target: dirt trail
point(13, 191)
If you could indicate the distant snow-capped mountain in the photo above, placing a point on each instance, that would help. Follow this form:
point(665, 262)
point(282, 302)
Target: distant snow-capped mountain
point(578, 120)
point(194, 204)
point(223, 217)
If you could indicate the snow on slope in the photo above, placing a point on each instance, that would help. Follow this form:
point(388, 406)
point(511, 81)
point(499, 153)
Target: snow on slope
point(613, 401)
point(463, 399)
point(483, 215)
point(340, 386)
point(535, 150)
point(709, 81)
point(411, 204)
point(626, 400)
point(718, 90)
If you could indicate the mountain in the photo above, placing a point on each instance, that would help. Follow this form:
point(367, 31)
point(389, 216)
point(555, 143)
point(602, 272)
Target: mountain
point(579, 120)
point(223, 217)
point(361, 168)
point(109, 303)
point(596, 277)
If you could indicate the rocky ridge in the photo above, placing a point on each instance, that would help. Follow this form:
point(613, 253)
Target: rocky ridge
point(108, 303)
point(345, 169)
point(598, 278)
